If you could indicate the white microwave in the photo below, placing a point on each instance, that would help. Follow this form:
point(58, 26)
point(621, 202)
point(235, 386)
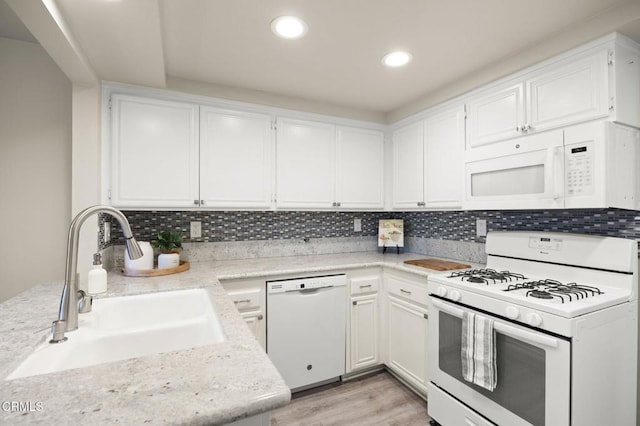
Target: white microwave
point(591, 165)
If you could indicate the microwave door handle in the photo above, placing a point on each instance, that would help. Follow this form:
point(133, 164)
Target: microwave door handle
point(557, 167)
point(503, 328)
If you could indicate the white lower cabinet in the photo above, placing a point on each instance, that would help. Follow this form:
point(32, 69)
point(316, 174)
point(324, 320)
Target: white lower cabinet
point(364, 330)
point(387, 323)
point(406, 329)
point(249, 297)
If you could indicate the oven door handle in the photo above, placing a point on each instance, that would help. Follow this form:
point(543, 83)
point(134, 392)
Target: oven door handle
point(527, 336)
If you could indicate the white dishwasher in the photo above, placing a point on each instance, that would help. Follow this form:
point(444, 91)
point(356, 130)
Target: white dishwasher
point(306, 329)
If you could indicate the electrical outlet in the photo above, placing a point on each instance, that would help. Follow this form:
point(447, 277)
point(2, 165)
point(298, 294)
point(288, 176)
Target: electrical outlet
point(106, 232)
point(357, 225)
point(481, 228)
point(196, 230)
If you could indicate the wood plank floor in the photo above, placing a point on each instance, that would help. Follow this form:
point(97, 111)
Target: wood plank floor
point(378, 399)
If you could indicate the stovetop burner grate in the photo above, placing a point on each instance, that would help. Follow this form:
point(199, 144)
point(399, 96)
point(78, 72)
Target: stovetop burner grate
point(487, 276)
point(552, 289)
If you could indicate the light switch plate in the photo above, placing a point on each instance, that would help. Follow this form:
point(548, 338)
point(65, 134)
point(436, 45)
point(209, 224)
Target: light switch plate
point(481, 228)
point(196, 229)
point(357, 225)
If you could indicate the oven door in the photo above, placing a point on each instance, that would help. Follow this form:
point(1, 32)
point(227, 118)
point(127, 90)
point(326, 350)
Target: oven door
point(533, 368)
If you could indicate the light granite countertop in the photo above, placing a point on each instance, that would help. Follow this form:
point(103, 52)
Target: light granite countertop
point(213, 384)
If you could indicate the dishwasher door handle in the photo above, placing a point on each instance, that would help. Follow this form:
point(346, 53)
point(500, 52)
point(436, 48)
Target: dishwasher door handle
point(308, 290)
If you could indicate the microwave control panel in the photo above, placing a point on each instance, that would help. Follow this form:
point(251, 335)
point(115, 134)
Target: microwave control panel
point(578, 168)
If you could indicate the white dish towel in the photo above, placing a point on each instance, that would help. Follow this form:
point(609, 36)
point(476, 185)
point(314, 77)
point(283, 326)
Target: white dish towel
point(479, 351)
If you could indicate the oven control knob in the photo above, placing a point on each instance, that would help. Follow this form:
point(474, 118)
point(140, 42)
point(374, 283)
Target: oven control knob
point(513, 312)
point(533, 319)
point(442, 291)
point(454, 295)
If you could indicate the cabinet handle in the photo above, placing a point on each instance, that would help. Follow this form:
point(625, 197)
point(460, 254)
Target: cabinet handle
point(202, 202)
point(196, 202)
point(405, 291)
point(333, 204)
point(260, 317)
point(338, 204)
point(365, 286)
point(237, 302)
point(526, 128)
point(355, 302)
point(426, 316)
point(519, 129)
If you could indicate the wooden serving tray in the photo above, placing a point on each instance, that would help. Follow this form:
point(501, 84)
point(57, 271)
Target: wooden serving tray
point(437, 264)
point(184, 266)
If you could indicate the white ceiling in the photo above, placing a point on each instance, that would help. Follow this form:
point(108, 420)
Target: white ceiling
point(229, 43)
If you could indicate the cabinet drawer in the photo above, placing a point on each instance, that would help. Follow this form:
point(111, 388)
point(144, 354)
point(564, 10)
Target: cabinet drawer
point(246, 299)
point(415, 292)
point(365, 285)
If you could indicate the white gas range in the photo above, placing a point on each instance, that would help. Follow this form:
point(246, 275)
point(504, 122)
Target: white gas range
point(564, 308)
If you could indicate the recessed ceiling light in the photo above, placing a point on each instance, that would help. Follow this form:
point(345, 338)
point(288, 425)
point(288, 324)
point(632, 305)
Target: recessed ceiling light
point(396, 59)
point(288, 27)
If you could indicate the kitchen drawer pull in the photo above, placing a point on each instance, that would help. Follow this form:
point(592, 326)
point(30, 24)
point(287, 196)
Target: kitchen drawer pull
point(237, 302)
point(405, 291)
point(260, 317)
point(365, 286)
point(426, 316)
point(355, 302)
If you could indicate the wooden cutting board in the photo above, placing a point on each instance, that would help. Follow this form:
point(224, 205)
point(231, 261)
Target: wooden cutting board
point(437, 264)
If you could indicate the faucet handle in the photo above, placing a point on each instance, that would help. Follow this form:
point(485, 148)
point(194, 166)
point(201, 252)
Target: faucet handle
point(85, 302)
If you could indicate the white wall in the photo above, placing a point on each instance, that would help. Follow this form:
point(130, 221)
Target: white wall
point(35, 167)
point(87, 163)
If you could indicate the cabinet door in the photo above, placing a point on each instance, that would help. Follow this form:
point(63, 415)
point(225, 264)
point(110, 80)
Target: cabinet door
point(154, 153)
point(235, 159)
point(408, 166)
point(443, 158)
point(359, 168)
point(407, 341)
point(305, 170)
point(575, 90)
point(364, 332)
point(495, 115)
point(255, 321)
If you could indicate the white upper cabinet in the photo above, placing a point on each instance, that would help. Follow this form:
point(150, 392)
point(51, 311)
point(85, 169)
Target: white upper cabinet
point(235, 159)
point(600, 80)
point(428, 161)
point(408, 166)
point(359, 168)
point(154, 152)
point(322, 166)
point(496, 115)
point(443, 158)
point(305, 158)
point(572, 91)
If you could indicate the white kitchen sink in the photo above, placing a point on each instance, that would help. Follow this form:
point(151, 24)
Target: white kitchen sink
point(126, 327)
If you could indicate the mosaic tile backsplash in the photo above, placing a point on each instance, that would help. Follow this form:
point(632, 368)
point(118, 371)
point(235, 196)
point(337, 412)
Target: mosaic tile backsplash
point(221, 226)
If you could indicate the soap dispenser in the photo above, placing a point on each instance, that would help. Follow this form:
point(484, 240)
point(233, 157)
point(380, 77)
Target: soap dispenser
point(97, 276)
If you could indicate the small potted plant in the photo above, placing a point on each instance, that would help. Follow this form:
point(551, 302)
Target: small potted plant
point(169, 244)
